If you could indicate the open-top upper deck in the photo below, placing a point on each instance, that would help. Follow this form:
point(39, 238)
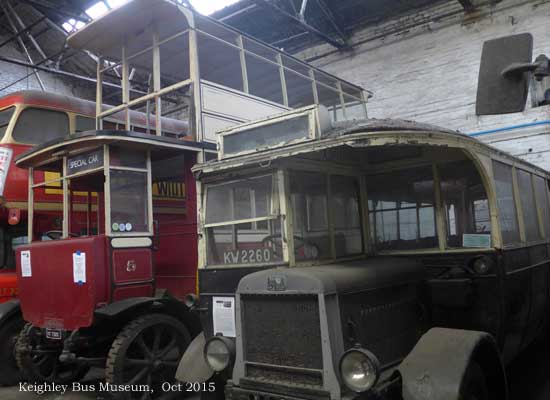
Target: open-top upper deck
point(174, 62)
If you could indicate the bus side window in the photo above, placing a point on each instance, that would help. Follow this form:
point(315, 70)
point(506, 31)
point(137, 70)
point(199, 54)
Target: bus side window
point(528, 206)
point(542, 203)
point(465, 201)
point(507, 213)
point(5, 118)
point(83, 124)
point(36, 125)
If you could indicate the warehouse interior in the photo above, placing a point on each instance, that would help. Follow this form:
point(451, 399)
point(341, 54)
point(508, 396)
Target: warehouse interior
point(412, 60)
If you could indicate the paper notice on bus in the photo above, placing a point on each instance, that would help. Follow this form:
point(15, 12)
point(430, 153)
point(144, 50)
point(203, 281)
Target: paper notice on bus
point(223, 314)
point(476, 240)
point(79, 267)
point(26, 270)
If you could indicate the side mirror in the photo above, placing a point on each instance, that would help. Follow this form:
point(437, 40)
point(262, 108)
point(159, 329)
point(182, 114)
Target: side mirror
point(503, 81)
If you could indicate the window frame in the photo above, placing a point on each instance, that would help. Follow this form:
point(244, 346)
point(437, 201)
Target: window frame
point(107, 167)
point(275, 206)
point(329, 173)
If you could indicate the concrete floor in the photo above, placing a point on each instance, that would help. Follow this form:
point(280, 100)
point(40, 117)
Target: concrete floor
point(529, 379)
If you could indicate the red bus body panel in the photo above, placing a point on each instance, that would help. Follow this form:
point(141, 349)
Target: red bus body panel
point(8, 285)
point(50, 298)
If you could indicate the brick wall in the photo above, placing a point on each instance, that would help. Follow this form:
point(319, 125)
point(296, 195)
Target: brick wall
point(424, 67)
point(15, 77)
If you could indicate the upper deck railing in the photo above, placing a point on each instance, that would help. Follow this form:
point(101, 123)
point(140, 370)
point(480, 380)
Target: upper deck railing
point(173, 62)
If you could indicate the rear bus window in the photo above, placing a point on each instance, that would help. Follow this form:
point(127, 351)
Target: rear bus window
point(402, 209)
point(36, 126)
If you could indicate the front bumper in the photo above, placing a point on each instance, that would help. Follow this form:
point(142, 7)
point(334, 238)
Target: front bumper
point(387, 389)
point(237, 393)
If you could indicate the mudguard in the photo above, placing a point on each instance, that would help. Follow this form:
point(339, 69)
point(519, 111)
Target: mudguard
point(9, 309)
point(115, 309)
point(165, 304)
point(193, 367)
point(434, 369)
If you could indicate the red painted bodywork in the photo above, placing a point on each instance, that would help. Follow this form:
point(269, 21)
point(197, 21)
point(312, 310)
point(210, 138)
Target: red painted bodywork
point(176, 259)
point(8, 285)
point(50, 298)
point(132, 265)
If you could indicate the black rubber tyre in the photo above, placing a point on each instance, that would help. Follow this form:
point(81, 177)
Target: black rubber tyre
point(9, 372)
point(474, 384)
point(39, 362)
point(147, 352)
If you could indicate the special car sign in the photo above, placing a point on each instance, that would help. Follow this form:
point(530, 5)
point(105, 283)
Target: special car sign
point(84, 162)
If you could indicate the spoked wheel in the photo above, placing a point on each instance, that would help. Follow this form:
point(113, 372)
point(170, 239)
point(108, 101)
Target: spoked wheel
point(38, 360)
point(474, 385)
point(9, 372)
point(147, 352)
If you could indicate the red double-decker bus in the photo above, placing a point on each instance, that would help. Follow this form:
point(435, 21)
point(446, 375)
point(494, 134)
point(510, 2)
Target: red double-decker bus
point(30, 118)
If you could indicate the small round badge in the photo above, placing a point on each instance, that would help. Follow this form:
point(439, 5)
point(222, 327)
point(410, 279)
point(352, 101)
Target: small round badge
point(128, 227)
point(122, 227)
point(115, 226)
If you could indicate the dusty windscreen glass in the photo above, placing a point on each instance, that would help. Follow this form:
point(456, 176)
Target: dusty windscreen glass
point(128, 201)
point(242, 222)
point(344, 201)
point(309, 199)
point(268, 135)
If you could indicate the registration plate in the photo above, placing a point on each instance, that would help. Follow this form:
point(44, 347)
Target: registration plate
point(248, 256)
point(54, 334)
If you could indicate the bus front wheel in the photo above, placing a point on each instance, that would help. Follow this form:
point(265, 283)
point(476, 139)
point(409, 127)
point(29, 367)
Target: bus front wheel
point(474, 384)
point(9, 373)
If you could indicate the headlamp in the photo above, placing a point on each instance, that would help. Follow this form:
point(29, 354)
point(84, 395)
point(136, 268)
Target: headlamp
point(359, 369)
point(219, 352)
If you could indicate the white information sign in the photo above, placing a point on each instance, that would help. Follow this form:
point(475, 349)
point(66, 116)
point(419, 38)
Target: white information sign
point(79, 267)
point(26, 270)
point(223, 313)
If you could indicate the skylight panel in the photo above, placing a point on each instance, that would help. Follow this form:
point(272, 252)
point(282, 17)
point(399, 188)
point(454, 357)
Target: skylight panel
point(97, 10)
point(116, 3)
point(208, 7)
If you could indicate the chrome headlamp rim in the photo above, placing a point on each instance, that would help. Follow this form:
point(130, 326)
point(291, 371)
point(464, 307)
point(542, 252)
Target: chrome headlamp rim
point(372, 359)
point(227, 344)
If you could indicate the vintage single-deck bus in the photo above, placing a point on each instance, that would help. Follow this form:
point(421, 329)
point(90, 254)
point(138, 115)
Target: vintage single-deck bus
point(374, 258)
